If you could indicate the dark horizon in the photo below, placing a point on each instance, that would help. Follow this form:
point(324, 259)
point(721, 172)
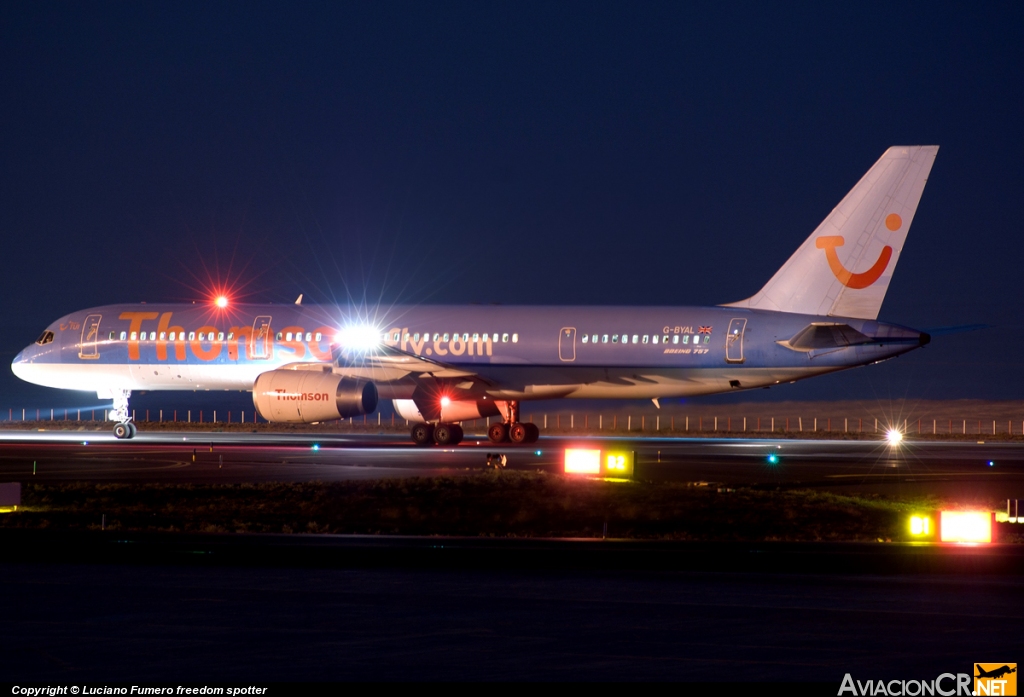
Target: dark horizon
point(530, 153)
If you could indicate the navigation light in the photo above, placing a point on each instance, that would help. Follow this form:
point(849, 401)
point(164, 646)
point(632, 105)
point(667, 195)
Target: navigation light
point(221, 301)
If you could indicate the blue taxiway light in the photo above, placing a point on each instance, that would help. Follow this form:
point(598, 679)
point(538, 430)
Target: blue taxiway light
point(991, 463)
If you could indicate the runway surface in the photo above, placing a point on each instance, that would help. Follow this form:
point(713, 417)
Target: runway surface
point(964, 468)
point(74, 623)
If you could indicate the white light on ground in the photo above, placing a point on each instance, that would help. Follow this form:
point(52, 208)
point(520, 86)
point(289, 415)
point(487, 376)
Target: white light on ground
point(894, 437)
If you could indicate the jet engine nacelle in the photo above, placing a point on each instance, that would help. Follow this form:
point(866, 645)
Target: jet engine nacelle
point(452, 412)
point(307, 396)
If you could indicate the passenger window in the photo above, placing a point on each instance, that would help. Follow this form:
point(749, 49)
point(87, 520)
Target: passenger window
point(494, 339)
point(192, 336)
point(111, 336)
point(476, 337)
point(288, 336)
point(675, 338)
point(444, 337)
point(277, 338)
point(515, 338)
point(152, 336)
point(686, 339)
point(636, 339)
point(504, 338)
point(135, 336)
point(585, 337)
point(124, 336)
point(604, 339)
point(615, 338)
point(318, 336)
point(396, 337)
point(645, 338)
point(416, 336)
point(172, 336)
point(220, 336)
point(163, 336)
point(465, 337)
point(654, 339)
point(309, 336)
point(707, 338)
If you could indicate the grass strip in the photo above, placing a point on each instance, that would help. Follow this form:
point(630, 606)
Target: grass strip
point(507, 504)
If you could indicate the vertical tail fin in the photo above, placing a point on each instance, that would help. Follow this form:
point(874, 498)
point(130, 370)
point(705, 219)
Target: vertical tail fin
point(845, 266)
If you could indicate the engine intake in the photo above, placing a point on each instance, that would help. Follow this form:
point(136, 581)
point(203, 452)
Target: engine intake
point(306, 396)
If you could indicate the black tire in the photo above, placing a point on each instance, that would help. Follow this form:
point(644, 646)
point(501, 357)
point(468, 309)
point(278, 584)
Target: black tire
point(133, 430)
point(457, 434)
point(121, 431)
point(498, 433)
point(534, 433)
point(443, 434)
point(518, 433)
point(422, 434)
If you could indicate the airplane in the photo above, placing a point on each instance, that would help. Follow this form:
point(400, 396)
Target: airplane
point(995, 673)
point(442, 365)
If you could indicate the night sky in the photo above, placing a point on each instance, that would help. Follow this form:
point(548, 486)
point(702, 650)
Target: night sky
point(540, 153)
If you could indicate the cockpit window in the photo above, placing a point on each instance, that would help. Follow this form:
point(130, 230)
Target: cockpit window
point(45, 338)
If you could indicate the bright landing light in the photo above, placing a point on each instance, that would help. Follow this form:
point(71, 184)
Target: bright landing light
point(359, 337)
point(221, 301)
point(894, 436)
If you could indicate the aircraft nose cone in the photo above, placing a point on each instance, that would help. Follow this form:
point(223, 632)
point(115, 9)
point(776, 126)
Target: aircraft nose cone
point(925, 338)
point(21, 361)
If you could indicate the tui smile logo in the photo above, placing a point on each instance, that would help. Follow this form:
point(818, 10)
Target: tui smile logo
point(848, 278)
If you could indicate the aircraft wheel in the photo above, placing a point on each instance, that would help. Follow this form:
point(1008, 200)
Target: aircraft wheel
point(133, 430)
point(534, 432)
point(422, 434)
point(122, 431)
point(498, 433)
point(444, 434)
point(457, 434)
point(518, 433)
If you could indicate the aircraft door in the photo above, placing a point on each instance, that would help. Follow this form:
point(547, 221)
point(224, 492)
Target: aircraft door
point(734, 340)
point(261, 339)
point(567, 344)
point(89, 347)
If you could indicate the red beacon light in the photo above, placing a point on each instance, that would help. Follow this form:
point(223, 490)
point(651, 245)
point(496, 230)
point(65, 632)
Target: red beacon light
point(221, 301)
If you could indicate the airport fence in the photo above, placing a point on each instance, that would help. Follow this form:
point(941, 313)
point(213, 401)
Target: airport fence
point(583, 422)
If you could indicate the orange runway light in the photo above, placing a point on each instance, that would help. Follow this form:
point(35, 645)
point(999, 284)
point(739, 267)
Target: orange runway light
point(581, 461)
point(965, 526)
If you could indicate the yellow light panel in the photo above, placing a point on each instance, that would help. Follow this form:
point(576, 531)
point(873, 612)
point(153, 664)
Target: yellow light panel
point(581, 461)
point(920, 525)
point(965, 526)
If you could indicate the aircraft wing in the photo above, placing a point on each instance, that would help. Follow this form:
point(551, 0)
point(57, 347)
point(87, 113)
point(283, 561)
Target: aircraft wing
point(389, 364)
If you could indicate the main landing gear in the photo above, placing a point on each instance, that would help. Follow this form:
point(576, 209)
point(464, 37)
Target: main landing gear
point(512, 429)
point(124, 428)
point(442, 434)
